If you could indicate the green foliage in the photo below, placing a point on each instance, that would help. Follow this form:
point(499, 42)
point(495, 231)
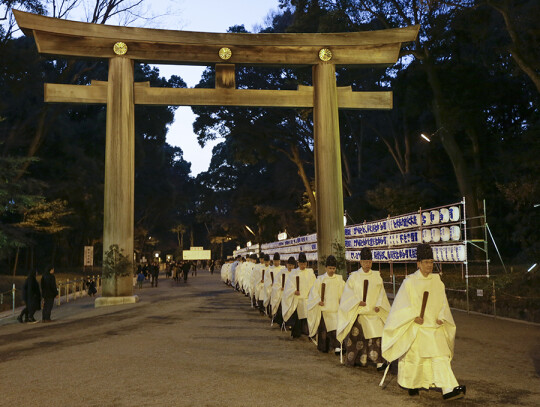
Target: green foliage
point(116, 264)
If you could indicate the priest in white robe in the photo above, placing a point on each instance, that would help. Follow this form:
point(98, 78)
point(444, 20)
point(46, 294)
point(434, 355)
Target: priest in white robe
point(295, 294)
point(266, 293)
point(420, 332)
point(280, 280)
point(362, 313)
point(262, 276)
point(322, 307)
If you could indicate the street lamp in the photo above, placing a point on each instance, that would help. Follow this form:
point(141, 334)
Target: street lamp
point(427, 138)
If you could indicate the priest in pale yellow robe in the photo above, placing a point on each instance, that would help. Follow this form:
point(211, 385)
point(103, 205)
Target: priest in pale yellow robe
point(362, 312)
point(262, 275)
point(420, 332)
point(294, 299)
point(246, 274)
point(323, 304)
point(225, 270)
point(254, 277)
point(280, 279)
point(269, 279)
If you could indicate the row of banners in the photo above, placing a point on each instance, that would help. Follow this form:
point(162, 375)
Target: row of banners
point(441, 226)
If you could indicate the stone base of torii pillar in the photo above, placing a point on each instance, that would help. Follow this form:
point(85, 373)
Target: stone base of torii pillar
point(108, 301)
point(116, 291)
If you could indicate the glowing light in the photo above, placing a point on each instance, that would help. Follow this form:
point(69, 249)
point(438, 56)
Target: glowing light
point(425, 137)
point(533, 266)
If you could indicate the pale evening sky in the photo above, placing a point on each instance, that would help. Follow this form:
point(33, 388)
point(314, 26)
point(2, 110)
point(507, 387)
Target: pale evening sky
point(208, 16)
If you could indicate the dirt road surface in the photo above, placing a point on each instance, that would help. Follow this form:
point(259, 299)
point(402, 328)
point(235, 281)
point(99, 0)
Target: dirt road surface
point(201, 344)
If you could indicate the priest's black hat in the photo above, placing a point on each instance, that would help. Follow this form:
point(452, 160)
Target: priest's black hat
point(302, 258)
point(292, 261)
point(365, 254)
point(331, 261)
point(266, 257)
point(424, 252)
point(276, 256)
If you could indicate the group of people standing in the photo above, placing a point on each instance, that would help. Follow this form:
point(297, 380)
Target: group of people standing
point(354, 319)
point(32, 296)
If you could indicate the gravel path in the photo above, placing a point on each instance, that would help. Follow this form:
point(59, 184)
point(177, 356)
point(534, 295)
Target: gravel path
point(201, 344)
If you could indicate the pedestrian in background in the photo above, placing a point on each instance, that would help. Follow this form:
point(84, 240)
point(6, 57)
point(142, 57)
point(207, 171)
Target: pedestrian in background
point(49, 292)
point(140, 278)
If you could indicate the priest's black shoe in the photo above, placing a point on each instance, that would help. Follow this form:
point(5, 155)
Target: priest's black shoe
point(381, 368)
point(457, 393)
point(414, 392)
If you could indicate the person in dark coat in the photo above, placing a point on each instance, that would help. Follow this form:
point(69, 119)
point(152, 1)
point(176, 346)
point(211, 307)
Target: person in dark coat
point(155, 273)
point(91, 285)
point(31, 296)
point(185, 268)
point(49, 292)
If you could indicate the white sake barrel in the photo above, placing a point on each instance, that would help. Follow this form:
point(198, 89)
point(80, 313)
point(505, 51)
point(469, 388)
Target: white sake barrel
point(426, 235)
point(444, 253)
point(435, 235)
point(461, 255)
point(455, 233)
point(454, 253)
point(426, 219)
point(444, 215)
point(454, 213)
point(445, 234)
point(434, 216)
point(436, 254)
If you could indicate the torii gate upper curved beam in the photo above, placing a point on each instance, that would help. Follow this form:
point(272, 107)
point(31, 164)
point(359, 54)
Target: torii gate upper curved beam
point(72, 38)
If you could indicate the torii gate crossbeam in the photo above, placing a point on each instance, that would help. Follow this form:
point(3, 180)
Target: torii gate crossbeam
point(125, 45)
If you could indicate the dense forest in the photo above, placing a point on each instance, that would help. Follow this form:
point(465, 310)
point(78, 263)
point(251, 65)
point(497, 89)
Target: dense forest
point(471, 82)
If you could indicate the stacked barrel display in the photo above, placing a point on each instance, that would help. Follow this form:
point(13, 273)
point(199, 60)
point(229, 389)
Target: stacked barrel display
point(391, 240)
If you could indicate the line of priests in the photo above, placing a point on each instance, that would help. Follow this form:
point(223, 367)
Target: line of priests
point(355, 317)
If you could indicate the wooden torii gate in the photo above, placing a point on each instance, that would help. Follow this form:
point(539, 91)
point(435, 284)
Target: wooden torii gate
point(124, 45)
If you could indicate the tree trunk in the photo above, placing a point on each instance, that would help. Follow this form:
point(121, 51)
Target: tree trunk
point(461, 170)
point(16, 262)
point(305, 180)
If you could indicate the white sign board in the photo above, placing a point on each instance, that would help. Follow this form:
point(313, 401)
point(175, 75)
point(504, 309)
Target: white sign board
point(479, 293)
point(88, 256)
point(196, 254)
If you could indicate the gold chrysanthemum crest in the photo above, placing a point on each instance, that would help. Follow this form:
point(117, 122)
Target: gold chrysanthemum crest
point(225, 53)
point(325, 54)
point(120, 48)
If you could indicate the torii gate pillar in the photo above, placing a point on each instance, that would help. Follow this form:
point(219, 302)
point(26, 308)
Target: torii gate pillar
point(327, 151)
point(119, 175)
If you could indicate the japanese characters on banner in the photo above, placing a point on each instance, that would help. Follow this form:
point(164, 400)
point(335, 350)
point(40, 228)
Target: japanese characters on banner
point(391, 240)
